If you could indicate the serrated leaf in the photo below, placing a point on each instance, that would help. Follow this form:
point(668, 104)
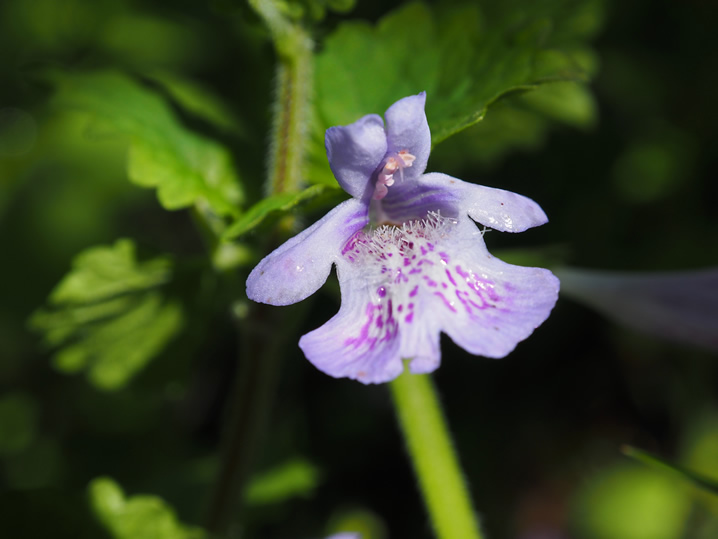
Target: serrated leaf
point(465, 58)
point(136, 517)
point(100, 273)
point(272, 204)
point(701, 481)
point(107, 316)
point(185, 167)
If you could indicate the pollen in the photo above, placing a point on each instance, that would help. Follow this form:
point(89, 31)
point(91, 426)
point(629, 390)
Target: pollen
point(385, 179)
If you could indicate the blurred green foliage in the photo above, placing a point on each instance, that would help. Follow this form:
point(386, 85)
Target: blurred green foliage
point(136, 517)
point(357, 520)
point(18, 422)
point(107, 315)
point(630, 502)
point(684, 473)
point(185, 167)
point(296, 477)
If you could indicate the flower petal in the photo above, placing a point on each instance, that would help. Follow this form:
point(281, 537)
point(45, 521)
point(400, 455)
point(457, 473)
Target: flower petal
point(489, 306)
point(355, 151)
point(361, 340)
point(420, 341)
point(407, 129)
point(680, 306)
point(494, 208)
point(296, 269)
point(402, 286)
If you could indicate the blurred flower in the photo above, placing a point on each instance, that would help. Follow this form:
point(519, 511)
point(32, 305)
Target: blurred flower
point(410, 262)
point(680, 306)
point(345, 535)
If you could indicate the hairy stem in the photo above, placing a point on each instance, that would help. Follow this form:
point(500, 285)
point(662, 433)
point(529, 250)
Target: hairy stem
point(435, 462)
point(293, 90)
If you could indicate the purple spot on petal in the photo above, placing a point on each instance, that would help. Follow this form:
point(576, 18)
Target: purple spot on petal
point(381, 291)
point(409, 317)
point(446, 301)
point(413, 293)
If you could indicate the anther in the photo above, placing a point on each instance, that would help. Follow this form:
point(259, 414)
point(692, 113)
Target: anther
point(385, 179)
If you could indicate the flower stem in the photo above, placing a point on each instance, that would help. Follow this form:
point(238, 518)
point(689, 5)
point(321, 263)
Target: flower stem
point(248, 413)
point(249, 410)
point(435, 462)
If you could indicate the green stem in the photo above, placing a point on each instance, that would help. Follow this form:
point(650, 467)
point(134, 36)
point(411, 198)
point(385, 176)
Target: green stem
point(246, 418)
point(292, 98)
point(248, 414)
point(435, 462)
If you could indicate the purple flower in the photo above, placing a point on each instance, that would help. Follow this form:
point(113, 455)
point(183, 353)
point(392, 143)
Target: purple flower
point(410, 260)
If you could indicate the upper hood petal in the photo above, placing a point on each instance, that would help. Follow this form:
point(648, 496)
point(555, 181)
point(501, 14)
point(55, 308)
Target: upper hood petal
point(407, 129)
point(355, 151)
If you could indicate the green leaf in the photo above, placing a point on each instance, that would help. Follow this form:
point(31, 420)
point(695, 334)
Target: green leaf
point(292, 479)
point(273, 204)
point(519, 122)
point(701, 481)
point(136, 517)
point(108, 316)
point(198, 100)
point(363, 69)
point(466, 58)
point(186, 168)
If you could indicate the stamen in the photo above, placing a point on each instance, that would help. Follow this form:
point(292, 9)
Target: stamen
point(407, 158)
point(385, 179)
